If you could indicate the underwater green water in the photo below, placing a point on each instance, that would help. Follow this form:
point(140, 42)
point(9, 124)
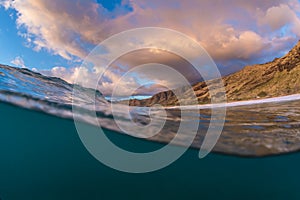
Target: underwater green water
point(43, 158)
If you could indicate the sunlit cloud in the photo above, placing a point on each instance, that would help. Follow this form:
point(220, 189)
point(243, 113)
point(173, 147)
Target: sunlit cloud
point(18, 62)
point(234, 33)
point(282, 16)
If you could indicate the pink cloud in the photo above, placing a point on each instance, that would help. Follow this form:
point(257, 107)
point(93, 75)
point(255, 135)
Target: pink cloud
point(231, 30)
point(63, 26)
point(279, 16)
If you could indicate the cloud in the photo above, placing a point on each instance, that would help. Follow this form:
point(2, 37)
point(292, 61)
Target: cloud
point(6, 4)
point(280, 16)
point(89, 79)
point(232, 32)
point(61, 27)
point(18, 62)
point(234, 44)
point(152, 77)
point(67, 27)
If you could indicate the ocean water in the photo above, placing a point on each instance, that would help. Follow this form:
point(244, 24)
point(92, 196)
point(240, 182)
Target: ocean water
point(42, 156)
point(116, 99)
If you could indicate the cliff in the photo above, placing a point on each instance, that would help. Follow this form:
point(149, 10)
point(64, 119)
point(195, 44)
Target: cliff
point(277, 78)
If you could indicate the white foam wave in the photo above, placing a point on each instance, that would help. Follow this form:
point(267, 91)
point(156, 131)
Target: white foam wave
point(241, 103)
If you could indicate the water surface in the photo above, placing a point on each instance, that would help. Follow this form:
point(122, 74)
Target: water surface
point(252, 128)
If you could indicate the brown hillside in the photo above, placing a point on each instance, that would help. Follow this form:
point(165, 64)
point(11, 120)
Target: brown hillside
point(277, 78)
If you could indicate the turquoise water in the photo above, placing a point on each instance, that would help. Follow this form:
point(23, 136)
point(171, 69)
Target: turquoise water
point(42, 157)
point(254, 128)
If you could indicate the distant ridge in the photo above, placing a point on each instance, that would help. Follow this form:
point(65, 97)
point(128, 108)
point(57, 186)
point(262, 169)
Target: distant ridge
point(277, 78)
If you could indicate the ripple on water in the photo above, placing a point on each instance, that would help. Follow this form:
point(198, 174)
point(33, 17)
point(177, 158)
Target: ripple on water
point(251, 129)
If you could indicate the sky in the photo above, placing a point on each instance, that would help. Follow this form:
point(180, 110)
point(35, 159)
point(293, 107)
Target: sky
point(54, 37)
